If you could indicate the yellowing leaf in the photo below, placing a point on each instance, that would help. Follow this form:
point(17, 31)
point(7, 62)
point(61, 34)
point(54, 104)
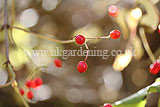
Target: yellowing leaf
point(18, 58)
point(23, 39)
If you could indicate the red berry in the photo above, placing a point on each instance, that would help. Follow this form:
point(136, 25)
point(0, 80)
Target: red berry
point(57, 62)
point(21, 91)
point(115, 34)
point(159, 28)
point(82, 66)
point(107, 105)
point(80, 39)
point(30, 95)
point(33, 84)
point(38, 81)
point(28, 84)
point(113, 10)
point(155, 67)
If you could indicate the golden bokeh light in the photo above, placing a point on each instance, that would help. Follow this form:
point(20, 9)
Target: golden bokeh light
point(122, 61)
point(136, 13)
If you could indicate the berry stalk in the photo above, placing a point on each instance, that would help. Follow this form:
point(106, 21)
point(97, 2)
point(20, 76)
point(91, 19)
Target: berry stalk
point(43, 37)
point(102, 37)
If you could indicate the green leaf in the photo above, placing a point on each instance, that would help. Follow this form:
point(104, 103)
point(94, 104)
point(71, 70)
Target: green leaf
point(140, 104)
point(159, 102)
point(139, 98)
point(154, 89)
point(134, 98)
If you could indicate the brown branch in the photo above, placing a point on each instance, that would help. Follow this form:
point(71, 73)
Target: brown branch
point(7, 63)
point(6, 30)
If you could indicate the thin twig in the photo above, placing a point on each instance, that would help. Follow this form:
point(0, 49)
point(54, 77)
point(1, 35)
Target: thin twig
point(12, 76)
point(146, 45)
point(102, 37)
point(8, 64)
point(33, 72)
point(13, 12)
point(44, 37)
point(6, 30)
point(16, 89)
point(87, 51)
point(54, 40)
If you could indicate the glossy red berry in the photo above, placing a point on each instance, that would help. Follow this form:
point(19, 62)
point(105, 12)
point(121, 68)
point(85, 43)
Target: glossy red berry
point(159, 28)
point(113, 10)
point(80, 39)
point(31, 84)
point(57, 62)
point(107, 105)
point(82, 66)
point(38, 81)
point(155, 67)
point(21, 91)
point(115, 34)
point(30, 95)
point(28, 84)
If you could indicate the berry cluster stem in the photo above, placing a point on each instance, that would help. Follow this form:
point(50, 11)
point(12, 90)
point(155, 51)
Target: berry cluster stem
point(102, 37)
point(54, 40)
point(87, 51)
point(43, 37)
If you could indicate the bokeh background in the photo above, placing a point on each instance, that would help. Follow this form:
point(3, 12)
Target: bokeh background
point(66, 87)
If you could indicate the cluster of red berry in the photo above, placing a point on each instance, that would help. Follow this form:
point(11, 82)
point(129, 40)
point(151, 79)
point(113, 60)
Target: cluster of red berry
point(32, 84)
point(80, 39)
point(155, 67)
point(82, 65)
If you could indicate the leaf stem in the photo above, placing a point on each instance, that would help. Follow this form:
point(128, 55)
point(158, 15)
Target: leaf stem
point(102, 37)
